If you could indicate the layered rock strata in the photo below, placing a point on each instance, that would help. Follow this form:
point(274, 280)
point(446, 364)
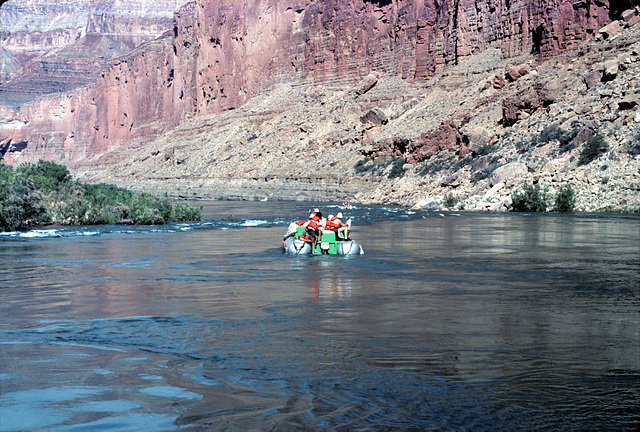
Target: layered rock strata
point(221, 53)
point(429, 69)
point(57, 46)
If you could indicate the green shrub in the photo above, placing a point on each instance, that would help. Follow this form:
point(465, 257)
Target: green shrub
point(367, 166)
point(531, 199)
point(548, 134)
point(44, 192)
point(565, 199)
point(6, 171)
point(20, 204)
point(592, 149)
point(567, 140)
point(185, 212)
point(450, 200)
point(47, 175)
point(396, 170)
point(11, 210)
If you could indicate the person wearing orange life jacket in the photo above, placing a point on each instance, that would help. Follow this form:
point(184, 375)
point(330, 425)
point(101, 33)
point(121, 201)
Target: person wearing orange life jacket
point(313, 227)
point(330, 225)
point(336, 225)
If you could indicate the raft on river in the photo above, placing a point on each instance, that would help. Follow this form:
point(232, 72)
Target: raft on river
point(329, 244)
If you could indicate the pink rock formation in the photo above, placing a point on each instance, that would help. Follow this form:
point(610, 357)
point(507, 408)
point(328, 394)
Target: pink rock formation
point(220, 53)
point(54, 46)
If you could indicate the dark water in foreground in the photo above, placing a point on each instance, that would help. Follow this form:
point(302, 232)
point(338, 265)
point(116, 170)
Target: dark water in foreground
point(480, 322)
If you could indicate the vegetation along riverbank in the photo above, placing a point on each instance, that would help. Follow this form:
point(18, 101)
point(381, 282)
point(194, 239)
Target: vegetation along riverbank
point(44, 193)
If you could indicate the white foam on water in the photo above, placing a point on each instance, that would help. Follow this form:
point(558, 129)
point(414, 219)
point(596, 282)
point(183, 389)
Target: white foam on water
point(90, 233)
point(38, 233)
point(254, 222)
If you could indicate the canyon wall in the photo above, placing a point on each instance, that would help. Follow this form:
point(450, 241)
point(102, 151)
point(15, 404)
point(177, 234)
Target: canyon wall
point(220, 53)
point(58, 46)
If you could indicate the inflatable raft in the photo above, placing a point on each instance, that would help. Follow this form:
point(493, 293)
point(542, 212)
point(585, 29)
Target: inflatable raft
point(329, 244)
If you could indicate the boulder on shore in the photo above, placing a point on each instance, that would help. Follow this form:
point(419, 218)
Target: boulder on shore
point(426, 204)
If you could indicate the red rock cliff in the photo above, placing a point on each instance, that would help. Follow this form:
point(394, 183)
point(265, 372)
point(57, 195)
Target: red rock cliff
point(222, 52)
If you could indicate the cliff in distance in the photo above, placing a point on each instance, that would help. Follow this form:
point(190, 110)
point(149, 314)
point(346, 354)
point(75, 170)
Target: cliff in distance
point(59, 45)
point(322, 100)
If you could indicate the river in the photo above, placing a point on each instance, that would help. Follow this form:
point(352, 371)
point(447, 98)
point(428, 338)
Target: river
point(448, 322)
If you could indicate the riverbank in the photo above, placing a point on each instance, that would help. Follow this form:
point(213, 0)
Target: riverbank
point(45, 193)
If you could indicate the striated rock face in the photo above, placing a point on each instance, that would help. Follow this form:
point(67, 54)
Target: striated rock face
point(220, 53)
point(57, 46)
point(238, 50)
point(9, 66)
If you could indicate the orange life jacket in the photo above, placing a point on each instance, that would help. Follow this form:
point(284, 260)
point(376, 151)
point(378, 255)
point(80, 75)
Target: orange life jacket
point(313, 224)
point(334, 222)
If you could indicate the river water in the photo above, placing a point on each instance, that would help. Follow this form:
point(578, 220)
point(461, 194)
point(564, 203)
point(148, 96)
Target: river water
point(448, 322)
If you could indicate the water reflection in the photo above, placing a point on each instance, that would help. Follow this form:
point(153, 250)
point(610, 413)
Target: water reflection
point(323, 278)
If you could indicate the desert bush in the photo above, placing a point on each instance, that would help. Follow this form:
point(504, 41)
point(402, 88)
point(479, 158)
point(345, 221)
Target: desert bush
point(431, 167)
point(565, 199)
point(522, 146)
point(367, 166)
point(466, 160)
point(548, 134)
point(633, 144)
point(567, 140)
point(592, 149)
point(478, 176)
point(530, 199)
point(484, 172)
point(396, 170)
point(450, 200)
point(364, 166)
point(486, 149)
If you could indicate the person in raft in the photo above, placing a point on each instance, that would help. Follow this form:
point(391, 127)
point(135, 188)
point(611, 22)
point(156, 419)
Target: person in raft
point(313, 227)
point(335, 224)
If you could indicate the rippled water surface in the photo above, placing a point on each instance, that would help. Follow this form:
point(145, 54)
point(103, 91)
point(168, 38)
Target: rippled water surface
point(484, 322)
